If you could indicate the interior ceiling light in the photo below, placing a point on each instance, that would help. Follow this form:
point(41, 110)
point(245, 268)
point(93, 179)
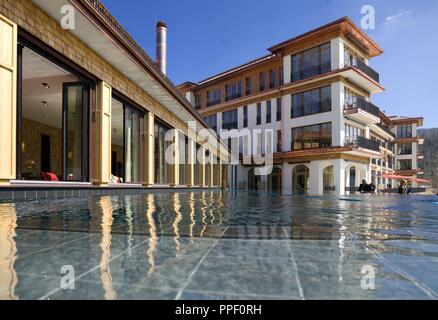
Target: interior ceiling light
point(44, 103)
point(45, 85)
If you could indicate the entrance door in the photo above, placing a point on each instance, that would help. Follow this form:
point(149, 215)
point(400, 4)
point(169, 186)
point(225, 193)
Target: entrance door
point(75, 99)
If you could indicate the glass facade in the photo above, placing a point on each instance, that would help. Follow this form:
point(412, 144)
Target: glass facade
point(312, 62)
point(311, 102)
point(404, 131)
point(315, 136)
point(162, 168)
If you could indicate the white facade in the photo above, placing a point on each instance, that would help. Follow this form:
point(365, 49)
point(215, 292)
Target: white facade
point(339, 174)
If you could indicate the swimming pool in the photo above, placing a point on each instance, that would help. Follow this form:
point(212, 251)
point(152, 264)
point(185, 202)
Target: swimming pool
point(220, 245)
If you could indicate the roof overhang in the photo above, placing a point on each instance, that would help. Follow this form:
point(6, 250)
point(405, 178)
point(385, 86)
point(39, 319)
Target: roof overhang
point(359, 78)
point(100, 31)
point(341, 27)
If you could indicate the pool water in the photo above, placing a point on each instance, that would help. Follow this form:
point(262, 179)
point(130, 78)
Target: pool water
point(220, 245)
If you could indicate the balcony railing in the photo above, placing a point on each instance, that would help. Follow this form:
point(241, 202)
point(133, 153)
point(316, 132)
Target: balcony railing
point(364, 143)
point(386, 129)
point(365, 106)
point(362, 66)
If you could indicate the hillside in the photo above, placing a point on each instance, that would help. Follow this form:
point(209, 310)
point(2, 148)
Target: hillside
point(430, 152)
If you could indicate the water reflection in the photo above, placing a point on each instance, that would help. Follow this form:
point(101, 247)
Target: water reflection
point(148, 235)
point(153, 240)
point(8, 252)
point(105, 244)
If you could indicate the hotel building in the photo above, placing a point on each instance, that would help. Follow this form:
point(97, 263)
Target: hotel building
point(314, 92)
point(82, 105)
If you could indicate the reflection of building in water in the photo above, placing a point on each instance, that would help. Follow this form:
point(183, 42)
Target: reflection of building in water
point(192, 213)
point(105, 272)
point(178, 218)
point(204, 207)
point(8, 251)
point(153, 238)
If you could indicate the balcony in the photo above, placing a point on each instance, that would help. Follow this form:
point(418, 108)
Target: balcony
point(362, 66)
point(363, 143)
point(363, 111)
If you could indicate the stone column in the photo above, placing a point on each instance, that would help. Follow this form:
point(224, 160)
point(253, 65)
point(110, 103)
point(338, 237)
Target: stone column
point(191, 163)
point(316, 187)
point(339, 175)
point(102, 136)
point(150, 149)
point(8, 100)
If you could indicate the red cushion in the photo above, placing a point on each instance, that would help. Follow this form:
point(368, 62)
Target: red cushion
point(51, 176)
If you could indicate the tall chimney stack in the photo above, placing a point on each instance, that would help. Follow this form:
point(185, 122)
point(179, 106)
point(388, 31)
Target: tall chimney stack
point(162, 46)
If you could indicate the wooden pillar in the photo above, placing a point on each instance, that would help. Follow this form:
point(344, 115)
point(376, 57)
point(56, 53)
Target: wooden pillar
point(191, 163)
point(149, 179)
point(8, 100)
point(102, 136)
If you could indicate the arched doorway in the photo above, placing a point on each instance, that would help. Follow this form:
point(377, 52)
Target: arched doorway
point(253, 180)
point(328, 180)
point(300, 179)
point(274, 180)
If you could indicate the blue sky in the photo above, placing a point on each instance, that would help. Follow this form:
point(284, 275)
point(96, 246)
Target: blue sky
point(208, 37)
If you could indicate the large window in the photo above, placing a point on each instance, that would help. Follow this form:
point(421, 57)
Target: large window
point(211, 121)
point(245, 116)
point(278, 109)
point(213, 97)
point(404, 148)
point(162, 168)
point(233, 90)
point(268, 111)
point(262, 81)
point(52, 120)
point(248, 86)
point(259, 114)
point(352, 133)
point(315, 136)
point(272, 78)
point(404, 131)
point(311, 102)
point(311, 62)
point(197, 102)
point(404, 164)
point(229, 119)
point(351, 98)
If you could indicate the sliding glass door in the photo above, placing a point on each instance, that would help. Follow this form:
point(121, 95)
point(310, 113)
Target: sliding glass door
point(125, 142)
point(132, 145)
point(75, 96)
point(52, 119)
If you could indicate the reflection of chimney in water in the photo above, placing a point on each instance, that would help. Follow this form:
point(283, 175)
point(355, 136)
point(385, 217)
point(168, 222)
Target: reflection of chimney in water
point(161, 46)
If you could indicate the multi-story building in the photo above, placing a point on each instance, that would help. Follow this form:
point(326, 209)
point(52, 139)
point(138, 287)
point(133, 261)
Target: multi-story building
point(314, 92)
point(407, 154)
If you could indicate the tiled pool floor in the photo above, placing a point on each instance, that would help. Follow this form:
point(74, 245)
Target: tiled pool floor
point(212, 245)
